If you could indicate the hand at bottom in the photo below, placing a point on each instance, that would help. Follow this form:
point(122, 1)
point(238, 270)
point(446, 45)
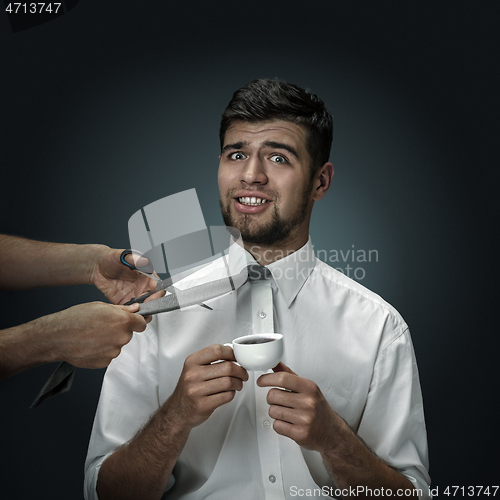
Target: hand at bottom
point(90, 335)
point(204, 385)
point(300, 410)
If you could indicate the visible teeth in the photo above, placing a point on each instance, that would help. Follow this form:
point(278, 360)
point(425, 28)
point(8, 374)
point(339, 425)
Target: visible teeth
point(246, 200)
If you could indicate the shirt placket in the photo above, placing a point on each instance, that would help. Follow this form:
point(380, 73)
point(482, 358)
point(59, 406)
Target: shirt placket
point(267, 438)
point(269, 454)
point(262, 307)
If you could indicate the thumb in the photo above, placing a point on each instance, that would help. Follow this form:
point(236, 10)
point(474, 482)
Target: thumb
point(132, 308)
point(281, 367)
point(135, 259)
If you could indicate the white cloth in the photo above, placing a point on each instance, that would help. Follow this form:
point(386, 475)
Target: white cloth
point(351, 343)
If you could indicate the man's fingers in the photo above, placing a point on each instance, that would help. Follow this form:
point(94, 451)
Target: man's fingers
point(156, 295)
point(136, 260)
point(131, 308)
point(214, 352)
point(206, 384)
point(216, 386)
point(223, 369)
point(284, 428)
point(282, 398)
point(137, 323)
point(285, 414)
point(281, 367)
point(213, 401)
point(140, 263)
point(285, 379)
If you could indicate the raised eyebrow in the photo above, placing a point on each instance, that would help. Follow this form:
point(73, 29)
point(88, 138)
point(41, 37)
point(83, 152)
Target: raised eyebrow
point(281, 145)
point(235, 145)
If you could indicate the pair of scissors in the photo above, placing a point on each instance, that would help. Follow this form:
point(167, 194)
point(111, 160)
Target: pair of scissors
point(148, 270)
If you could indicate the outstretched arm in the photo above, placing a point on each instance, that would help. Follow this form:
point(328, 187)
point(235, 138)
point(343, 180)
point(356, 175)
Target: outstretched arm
point(87, 336)
point(32, 264)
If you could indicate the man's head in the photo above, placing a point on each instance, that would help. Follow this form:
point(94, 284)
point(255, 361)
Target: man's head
point(267, 100)
point(275, 143)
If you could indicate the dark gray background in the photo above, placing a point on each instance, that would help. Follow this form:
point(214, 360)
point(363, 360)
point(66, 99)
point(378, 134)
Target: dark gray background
point(117, 104)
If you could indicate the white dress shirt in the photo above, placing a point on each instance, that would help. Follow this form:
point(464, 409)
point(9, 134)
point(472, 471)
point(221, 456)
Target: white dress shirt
point(346, 339)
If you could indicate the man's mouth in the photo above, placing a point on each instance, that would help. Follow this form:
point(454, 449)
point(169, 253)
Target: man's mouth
point(251, 201)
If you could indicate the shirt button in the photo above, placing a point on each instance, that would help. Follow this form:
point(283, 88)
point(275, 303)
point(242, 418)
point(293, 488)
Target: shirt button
point(262, 314)
point(267, 424)
point(272, 478)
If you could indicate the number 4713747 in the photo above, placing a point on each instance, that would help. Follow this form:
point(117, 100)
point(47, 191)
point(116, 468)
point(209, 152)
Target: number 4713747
point(470, 491)
point(33, 7)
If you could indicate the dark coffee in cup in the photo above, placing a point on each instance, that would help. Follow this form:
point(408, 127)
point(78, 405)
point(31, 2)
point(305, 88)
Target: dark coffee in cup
point(256, 341)
point(258, 352)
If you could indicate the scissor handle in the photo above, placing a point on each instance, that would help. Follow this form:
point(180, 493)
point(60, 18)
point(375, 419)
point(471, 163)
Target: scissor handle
point(148, 269)
point(139, 300)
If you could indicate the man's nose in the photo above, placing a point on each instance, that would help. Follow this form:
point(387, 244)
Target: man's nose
point(254, 172)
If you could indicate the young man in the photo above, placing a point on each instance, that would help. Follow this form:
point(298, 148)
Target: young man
point(172, 423)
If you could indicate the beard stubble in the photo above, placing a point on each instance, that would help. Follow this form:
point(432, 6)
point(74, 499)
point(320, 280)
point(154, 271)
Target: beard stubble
point(276, 230)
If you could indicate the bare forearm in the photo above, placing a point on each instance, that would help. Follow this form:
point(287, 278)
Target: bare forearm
point(87, 335)
point(352, 464)
point(142, 468)
point(25, 346)
point(30, 264)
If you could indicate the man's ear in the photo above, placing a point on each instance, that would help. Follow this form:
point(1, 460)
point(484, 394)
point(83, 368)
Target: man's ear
point(322, 181)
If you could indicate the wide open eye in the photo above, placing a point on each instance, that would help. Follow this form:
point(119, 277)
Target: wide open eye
point(237, 156)
point(279, 159)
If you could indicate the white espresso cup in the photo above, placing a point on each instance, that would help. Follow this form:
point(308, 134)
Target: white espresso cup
point(259, 352)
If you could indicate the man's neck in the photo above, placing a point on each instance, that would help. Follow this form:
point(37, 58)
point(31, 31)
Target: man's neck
point(267, 254)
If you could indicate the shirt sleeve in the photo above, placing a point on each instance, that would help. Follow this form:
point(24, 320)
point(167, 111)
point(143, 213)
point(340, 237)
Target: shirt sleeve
point(393, 424)
point(129, 395)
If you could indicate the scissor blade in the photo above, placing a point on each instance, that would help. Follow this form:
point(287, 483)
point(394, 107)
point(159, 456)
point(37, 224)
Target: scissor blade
point(171, 289)
point(205, 306)
point(167, 284)
point(194, 295)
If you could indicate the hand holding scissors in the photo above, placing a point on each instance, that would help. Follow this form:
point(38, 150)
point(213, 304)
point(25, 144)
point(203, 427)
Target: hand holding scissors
point(148, 270)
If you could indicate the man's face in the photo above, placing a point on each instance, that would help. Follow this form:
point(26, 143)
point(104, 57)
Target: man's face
point(265, 182)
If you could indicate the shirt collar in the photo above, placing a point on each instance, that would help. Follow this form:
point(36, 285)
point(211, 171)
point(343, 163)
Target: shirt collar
point(291, 272)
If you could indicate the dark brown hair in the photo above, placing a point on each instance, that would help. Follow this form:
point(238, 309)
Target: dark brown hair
point(266, 99)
